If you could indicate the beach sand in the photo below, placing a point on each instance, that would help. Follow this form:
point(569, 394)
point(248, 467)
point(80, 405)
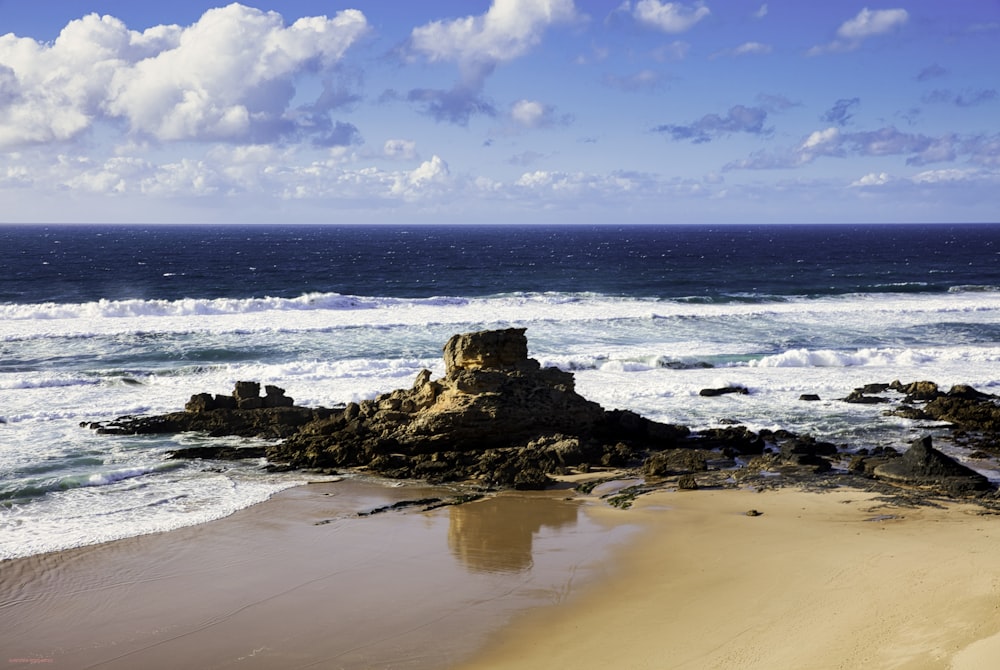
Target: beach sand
point(302, 581)
point(524, 580)
point(817, 581)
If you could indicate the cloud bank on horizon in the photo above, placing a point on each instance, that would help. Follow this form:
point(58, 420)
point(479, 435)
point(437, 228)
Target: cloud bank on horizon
point(502, 111)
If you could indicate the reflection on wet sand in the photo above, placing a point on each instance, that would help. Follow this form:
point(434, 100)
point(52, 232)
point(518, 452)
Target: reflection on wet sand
point(497, 534)
point(303, 580)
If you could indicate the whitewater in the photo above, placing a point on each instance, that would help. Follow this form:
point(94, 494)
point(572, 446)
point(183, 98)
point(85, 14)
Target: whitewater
point(66, 363)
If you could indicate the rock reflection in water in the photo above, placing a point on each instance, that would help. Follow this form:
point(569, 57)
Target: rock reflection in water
point(497, 534)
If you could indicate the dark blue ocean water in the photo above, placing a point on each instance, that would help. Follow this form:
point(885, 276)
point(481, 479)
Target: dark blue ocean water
point(71, 264)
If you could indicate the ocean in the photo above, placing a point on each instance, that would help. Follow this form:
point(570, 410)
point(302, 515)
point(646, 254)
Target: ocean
point(102, 321)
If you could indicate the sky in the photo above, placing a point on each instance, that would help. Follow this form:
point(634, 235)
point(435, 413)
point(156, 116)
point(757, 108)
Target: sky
point(499, 111)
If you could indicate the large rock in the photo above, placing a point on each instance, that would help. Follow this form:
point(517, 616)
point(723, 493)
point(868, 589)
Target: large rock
point(486, 350)
point(923, 465)
point(496, 415)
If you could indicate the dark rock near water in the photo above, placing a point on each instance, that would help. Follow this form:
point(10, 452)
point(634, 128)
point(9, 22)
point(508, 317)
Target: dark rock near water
point(218, 453)
point(809, 397)
point(725, 390)
point(676, 462)
point(923, 465)
point(499, 419)
point(496, 416)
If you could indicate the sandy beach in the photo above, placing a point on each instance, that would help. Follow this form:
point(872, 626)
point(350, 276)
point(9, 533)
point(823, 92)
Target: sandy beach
point(302, 581)
point(817, 581)
point(682, 580)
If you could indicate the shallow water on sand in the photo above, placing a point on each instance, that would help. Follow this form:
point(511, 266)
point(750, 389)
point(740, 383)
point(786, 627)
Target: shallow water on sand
point(304, 581)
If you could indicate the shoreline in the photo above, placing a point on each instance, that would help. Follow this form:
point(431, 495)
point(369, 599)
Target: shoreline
point(304, 580)
point(684, 579)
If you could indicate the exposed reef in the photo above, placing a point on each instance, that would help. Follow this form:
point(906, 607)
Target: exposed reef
point(499, 419)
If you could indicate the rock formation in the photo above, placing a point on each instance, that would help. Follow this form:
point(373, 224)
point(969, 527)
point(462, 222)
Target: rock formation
point(500, 419)
point(923, 465)
point(496, 416)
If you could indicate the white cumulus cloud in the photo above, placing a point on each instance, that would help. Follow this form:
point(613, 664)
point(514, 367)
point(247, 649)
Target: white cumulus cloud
point(872, 179)
point(229, 76)
point(400, 149)
point(507, 30)
point(867, 23)
point(670, 17)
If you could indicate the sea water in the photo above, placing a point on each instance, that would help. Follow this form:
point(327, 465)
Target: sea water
point(102, 321)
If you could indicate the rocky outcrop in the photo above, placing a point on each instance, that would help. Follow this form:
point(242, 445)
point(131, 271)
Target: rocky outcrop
point(923, 465)
point(725, 390)
point(496, 416)
point(244, 413)
point(246, 395)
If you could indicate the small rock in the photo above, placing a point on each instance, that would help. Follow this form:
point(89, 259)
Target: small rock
point(709, 393)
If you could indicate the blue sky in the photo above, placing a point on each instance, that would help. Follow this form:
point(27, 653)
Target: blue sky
point(502, 111)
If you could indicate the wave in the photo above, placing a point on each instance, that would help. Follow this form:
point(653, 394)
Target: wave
point(46, 382)
point(36, 488)
point(827, 358)
point(203, 307)
point(974, 288)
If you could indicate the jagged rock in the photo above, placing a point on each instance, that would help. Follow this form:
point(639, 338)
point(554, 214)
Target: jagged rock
point(275, 397)
point(711, 393)
point(857, 396)
point(687, 483)
point(486, 350)
point(217, 453)
point(923, 465)
point(918, 391)
point(966, 408)
point(496, 416)
point(269, 423)
point(732, 440)
point(200, 402)
point(966, 392)
point(246, 390)
point(676, 462)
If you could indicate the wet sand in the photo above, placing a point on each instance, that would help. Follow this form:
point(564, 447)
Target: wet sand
point(301, 581)
point(682, 580)
point(818, 581)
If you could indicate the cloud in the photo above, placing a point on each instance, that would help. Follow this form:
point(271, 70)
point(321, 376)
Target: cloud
point(534, 114)
point(230, 76)
point(970, 98)
point(872, 179)
point(888, 141)
point(526, 158)
point(840, 114)
point(507, 30)
point(867, 23)
point(669, 17)
point(738, 119)
point(400, 149)
point(983, 150)
point(776, 103)
point(745, 49)
point(456, 105)
point(761, 13)
point(478, 44)
point(932, 72)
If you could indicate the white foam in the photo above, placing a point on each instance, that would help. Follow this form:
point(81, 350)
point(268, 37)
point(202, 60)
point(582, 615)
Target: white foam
point(65, 365)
